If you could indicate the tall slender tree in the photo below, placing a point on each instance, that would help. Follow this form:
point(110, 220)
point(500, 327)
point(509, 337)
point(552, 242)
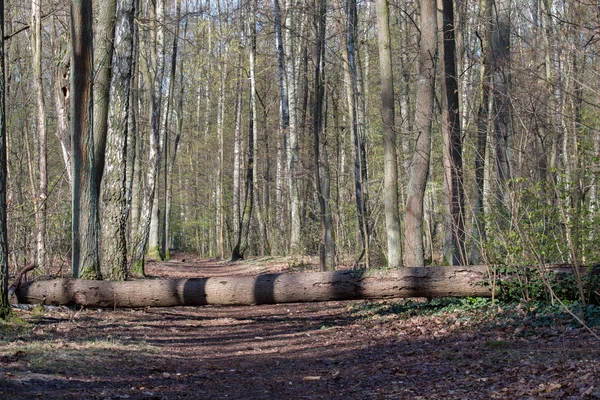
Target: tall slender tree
point(40, 199)
point(501, 76)
point(292, 150)
point(479, 228)
point(114, 228)
point(453, 175)
point(85, 220)
point(250, 201)
point(423, 125)
point(390, 194)
point(4, 305)
point(164, 247)
point(156, 142)
point(284, 110)
point(360, 162)
point(61, 94)
point(322, 179)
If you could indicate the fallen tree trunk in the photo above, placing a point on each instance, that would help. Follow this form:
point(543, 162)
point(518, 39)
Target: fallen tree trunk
point(428, 282)
point(262, 289)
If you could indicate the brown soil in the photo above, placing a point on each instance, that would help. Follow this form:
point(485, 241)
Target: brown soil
point(289, 351)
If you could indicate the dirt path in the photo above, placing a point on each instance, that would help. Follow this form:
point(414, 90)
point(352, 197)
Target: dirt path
point(291, 351)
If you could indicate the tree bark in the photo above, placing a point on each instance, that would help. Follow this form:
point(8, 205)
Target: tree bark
point(322, 180)
point(164, 246)
point(479, 226)
point(85, 254)
point(156, 142)
point(61, 98)
point(504, 139)
point(250, 199)
point(354, 114)
point(40, 199)
point(292, 148)
point(390, 191)
point(114, 228)
point(104, 33)
point(262, 289)
point(173, 153)
point(284, 113)
point(422, 150)
point(4, 305)
point(453, 182)
point(327, 250)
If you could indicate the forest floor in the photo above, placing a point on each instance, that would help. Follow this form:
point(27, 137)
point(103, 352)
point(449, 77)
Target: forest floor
point(450, 349)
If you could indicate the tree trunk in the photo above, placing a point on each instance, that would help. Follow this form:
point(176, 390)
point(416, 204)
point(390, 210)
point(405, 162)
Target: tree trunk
point(501, 82)
point(171, 164)
point(237, 152)
point(453, 182)
point(422, 150)
point(250, 198)
point(284, 119)
point(390, 191)
point(61, 100)
point(263, 289)
point(4, 305)
point(292, 148)
point(114, 228)
point(85, 255)
point(104, 32)
point(156, 143)
point(360, 178)
point(133, 142)
point(479, 234)
point(40, 199)
point(164, 244)
point(322, 180)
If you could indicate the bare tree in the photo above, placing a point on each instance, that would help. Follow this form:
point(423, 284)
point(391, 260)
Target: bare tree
point(40, 199)
point(479, 235)
point(155, 143)
point(165, 133)
point(292, 146)
point(284, 109)
point(322, 179)
point(4, 305)
point(390, 194)
point(358, 137)
point(114, 228)
point(86, 229)
point(61, 94)
point(422, 148)
point(455, 253)
point(250, 200)
point(504, 138)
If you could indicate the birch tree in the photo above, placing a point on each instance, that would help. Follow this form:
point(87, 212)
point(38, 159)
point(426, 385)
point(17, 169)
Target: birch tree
point(250, 201)
point(42, 195)
point(114, 228)
point(292, 148)
point(155, 143)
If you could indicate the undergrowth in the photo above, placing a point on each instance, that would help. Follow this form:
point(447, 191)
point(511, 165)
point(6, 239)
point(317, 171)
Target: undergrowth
point(481, 310)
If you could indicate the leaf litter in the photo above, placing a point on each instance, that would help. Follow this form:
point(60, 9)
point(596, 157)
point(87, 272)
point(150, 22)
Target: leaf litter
point(333, 350)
